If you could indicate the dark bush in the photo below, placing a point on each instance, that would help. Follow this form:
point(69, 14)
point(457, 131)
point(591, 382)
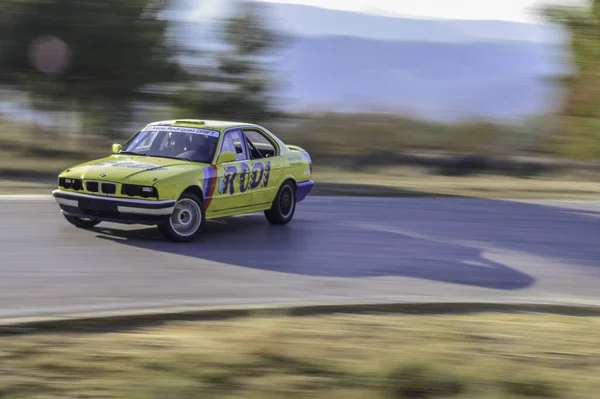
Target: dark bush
point(530, 388)
point(421, 381)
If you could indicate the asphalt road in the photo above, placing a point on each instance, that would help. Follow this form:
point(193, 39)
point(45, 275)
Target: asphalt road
point(336, 249)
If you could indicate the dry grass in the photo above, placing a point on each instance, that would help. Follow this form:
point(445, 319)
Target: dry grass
point(343, 356)
point(484, 186)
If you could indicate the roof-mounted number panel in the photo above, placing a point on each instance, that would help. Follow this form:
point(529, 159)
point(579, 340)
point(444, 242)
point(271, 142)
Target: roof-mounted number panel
point(190, 122)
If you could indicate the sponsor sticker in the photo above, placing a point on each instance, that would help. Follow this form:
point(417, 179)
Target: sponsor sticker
point(128, 164)
point(206, 132)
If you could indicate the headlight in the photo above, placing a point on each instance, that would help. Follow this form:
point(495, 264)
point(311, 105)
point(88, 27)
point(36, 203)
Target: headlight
point(72, 184)
point(133, 190)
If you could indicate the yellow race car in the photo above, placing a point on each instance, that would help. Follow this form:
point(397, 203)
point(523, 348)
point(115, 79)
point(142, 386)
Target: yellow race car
point(177, 174)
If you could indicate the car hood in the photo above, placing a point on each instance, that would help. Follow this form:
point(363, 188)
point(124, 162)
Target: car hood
point(131, 169)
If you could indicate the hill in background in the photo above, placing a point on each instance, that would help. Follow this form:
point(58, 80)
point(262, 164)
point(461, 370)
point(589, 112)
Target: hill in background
point(439, 69)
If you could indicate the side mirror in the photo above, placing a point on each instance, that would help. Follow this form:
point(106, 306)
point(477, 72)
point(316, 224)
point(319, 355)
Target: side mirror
point(116, 148)
point(227, 156)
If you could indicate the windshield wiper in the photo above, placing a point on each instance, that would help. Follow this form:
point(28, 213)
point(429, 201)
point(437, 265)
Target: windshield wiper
point(133, 153)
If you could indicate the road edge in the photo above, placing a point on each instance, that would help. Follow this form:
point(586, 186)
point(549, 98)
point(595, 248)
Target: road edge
point(342, 189)
point(333, 189)
point(137, 318)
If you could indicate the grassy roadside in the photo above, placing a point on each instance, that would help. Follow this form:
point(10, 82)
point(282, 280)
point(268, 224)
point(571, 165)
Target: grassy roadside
point(486, 355)
point(408, 182)
point(18, 187)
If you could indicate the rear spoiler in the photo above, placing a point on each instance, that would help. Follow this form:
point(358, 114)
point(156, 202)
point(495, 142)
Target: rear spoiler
point(295, 148)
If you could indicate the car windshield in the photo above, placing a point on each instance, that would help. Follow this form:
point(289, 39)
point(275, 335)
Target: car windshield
point(184, 143)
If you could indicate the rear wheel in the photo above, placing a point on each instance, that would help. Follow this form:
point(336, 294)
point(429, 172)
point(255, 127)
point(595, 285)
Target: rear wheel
point(283, 208)
point(186, 221)
point(83, 223)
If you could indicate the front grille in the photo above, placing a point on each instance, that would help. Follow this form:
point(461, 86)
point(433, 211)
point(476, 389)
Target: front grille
point(91, 186)
point(109, 188)
point(101, 187)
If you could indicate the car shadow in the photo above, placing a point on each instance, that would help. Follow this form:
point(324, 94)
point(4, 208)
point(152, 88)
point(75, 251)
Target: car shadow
point(554, 233)
point(325, 249)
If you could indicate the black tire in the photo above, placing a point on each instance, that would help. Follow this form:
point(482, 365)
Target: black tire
point(173, 231)
point(81, 223)
point(284, 206)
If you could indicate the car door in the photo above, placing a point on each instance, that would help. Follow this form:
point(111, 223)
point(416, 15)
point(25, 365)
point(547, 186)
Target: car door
point(231, 192)
point(266, 167)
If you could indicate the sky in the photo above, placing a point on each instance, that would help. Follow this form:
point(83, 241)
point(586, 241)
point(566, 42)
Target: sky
point(510, 10)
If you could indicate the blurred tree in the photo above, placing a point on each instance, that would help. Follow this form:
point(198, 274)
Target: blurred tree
point(234, 82)
point(580, 114)
point(92, 56)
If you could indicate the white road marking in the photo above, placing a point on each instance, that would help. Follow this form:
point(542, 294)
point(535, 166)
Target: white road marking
point(588, 214)
point(476, 263)
point(25, 197)
point(484, 247)
point(574, 205)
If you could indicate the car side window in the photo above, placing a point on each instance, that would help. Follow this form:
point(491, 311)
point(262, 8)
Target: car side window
point(234, 141)
point(260, 146)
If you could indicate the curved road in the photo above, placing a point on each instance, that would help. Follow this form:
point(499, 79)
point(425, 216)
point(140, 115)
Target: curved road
point(336, 249)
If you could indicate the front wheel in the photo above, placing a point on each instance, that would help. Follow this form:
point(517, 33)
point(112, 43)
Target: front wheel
point(284, 206)
point(83, 223)
point(186, 221)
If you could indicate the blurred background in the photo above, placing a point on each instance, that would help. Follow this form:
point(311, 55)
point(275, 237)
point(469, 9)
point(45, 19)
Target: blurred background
point(454, 88)
point(493, 98)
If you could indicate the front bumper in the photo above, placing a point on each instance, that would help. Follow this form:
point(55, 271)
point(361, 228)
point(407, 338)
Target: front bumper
point(112, 209)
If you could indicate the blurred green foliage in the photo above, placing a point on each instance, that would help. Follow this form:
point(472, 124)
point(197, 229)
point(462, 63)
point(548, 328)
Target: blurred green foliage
point(381, 137)
point(115, 49)
point(101, 62)
point(239, 86)
point(579, 117)
point(99, 59)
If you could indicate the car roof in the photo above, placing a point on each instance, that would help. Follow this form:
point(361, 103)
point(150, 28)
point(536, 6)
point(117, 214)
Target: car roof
point(204, 124)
